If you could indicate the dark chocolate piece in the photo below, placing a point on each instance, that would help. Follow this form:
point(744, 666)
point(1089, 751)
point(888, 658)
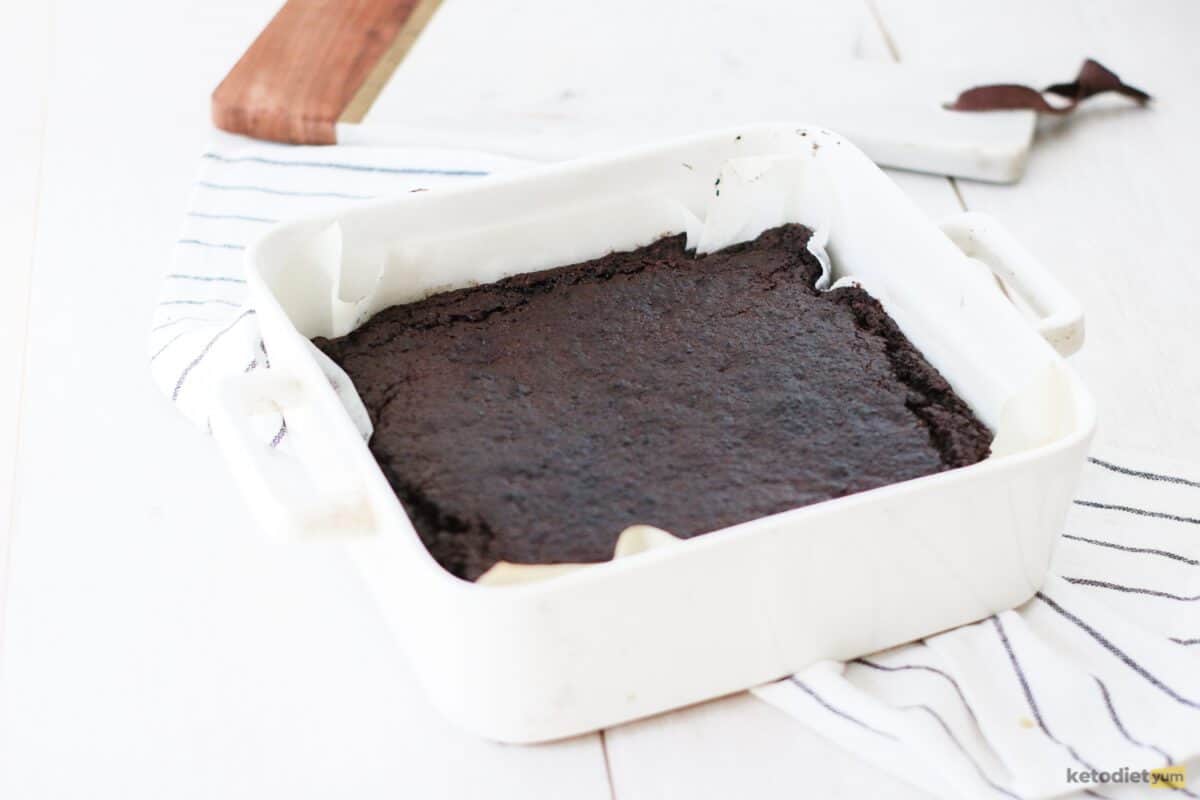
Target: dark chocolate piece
point(1093, 79)
point(534, 419)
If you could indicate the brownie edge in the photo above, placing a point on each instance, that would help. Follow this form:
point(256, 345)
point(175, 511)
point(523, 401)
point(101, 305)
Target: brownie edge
point(533, 419)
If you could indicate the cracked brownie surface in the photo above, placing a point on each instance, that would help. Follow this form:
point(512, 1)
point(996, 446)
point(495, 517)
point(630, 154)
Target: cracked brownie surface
point(534, 419)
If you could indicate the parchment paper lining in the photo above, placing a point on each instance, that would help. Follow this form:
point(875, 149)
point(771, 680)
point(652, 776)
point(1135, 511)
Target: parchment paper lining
point(370, 263)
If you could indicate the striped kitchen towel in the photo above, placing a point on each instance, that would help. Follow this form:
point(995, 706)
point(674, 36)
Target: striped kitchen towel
point(1098, 676)
point(1083, 691)
point(202, 331)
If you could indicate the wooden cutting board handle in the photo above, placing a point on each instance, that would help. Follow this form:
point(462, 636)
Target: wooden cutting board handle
point(318, 62)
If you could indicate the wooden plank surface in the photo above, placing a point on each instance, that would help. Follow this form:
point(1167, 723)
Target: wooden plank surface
point(24, 51)
point(213, 668)
point(157, 646)
point(739, 747)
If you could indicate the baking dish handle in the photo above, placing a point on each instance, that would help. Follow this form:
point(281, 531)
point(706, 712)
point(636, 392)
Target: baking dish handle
point(1059, 315)
point(311, 493)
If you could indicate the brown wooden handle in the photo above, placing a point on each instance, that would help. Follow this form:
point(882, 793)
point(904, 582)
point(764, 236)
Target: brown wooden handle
point(312, 62)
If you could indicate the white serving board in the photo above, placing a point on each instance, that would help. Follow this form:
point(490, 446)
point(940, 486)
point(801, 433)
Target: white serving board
point(552, 80)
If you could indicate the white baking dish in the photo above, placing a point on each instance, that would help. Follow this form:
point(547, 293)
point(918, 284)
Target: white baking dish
point(715, 614)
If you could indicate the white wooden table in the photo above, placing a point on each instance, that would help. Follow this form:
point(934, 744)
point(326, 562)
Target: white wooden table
point(221, 666)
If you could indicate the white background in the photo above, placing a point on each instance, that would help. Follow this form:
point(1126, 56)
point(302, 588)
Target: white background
point(154, 647)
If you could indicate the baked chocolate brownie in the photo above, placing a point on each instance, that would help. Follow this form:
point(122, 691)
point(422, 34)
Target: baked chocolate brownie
point(534, 419)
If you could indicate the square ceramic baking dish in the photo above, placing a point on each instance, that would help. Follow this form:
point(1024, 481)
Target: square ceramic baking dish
point(687, 620)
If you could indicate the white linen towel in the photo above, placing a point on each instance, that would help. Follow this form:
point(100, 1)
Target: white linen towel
point(1100, 672)
point(202, 332)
